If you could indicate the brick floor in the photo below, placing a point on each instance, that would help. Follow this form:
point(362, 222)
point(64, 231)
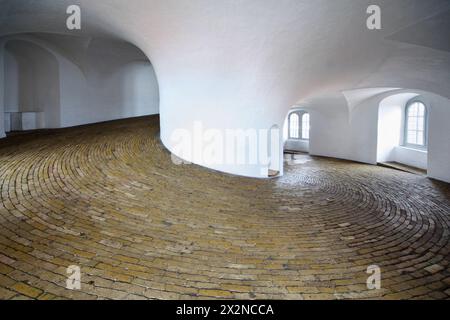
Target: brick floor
point(107, 198)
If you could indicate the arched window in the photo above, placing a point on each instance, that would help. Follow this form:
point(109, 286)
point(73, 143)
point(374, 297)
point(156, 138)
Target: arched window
point(305, 126)
point(294, 126)
point(416, 124)
point(298, 125)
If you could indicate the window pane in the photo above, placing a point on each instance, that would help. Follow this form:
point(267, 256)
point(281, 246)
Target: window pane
point(412, 123)
point(421, 111)
point(420, 124)
point(305, 126)
point(420, 138)
point(415, 123)
point(293, 126)
point(412, 110)
point(411, 137)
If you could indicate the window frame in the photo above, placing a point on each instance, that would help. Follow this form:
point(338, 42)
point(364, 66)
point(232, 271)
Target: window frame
point(425, 126)
point(289, 126)
point(309, 125)
point(299, 114)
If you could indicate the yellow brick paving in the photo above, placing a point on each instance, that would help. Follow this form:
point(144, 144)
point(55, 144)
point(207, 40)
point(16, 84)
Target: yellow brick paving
point(107, 197)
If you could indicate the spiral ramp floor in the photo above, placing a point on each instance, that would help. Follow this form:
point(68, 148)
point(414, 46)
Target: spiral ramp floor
point(108, 199)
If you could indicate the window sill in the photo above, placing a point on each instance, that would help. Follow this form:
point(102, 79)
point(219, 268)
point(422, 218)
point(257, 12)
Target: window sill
point(413, 149)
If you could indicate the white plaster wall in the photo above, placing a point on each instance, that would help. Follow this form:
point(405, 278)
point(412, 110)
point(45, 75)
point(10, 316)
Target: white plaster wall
point(140, 89)
point(120, 83)
point(75, 104)
point(32, 81)
point(15, 121)
point(7, 122)
point(2, 90)
point(32, 120)
point(439, 138)
point(19, 121)
point(389, 129)
point(391, 111)
point(11, 87)
point(362, 135)
point(297, 145)
point(112, 91)
point(46, 88)
point(330, 129)
point(411, 157)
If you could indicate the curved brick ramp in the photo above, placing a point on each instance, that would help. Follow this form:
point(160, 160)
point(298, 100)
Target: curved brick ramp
point(107, 198)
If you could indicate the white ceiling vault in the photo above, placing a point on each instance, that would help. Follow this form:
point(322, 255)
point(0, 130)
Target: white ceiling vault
point(244, 63)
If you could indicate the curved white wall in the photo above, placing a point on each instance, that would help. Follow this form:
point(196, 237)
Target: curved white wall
point(439, 138)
